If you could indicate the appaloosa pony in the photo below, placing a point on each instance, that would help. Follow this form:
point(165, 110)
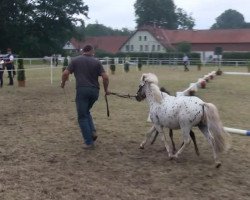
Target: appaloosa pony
point(192, 135)
point(183, 112)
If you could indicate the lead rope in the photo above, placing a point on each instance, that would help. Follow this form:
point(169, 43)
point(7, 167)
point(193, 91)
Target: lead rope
point(118, 95)
point(123, 95)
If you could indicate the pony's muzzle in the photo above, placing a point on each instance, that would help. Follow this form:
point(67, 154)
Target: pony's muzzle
point(139, 97)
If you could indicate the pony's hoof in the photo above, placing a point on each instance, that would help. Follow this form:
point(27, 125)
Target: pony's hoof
point(141, 147)
point(218, 164)
point(172, 157)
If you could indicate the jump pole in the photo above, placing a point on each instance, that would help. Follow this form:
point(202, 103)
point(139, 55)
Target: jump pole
point(237, 131)
point(237, 73)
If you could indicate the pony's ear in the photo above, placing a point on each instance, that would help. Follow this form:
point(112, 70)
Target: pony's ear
point(143, 77)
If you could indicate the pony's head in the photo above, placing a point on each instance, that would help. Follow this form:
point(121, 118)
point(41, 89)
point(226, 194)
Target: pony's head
point(152, 80)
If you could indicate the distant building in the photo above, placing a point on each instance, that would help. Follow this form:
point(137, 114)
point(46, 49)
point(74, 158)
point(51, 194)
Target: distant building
point(149, 39)
point(108, 44)
point(154, 39)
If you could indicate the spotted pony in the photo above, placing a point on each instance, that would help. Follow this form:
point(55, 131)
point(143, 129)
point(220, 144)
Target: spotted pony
point(183, 112)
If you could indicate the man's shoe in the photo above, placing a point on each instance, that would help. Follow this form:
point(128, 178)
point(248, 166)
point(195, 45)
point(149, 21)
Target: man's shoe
point(94, 137)
point(88, 147)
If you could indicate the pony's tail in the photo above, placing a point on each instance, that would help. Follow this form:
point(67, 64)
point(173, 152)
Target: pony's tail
point(220, 138)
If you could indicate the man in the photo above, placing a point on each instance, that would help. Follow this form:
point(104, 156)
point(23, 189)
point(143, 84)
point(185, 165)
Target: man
point(185, 62)
point(9, 63)
point(86, 70)
point(1, 70)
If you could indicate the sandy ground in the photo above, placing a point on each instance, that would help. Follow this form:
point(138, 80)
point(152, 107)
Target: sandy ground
point(41, 157)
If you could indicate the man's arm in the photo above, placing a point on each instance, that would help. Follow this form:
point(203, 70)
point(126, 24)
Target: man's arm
point(105, 80)
point(65, 76)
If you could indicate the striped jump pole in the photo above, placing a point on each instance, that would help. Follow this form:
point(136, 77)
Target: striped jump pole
point(237, 131)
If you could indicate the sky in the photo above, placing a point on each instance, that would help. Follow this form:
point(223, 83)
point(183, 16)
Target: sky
point(120, 13)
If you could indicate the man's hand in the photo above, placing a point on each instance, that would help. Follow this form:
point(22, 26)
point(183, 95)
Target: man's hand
point(62, 84)
point(107, 92)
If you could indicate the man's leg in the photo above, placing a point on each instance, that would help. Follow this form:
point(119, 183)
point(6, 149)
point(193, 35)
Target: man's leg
point(1, 78)
point(85, 99)
point(10, 76)
point(93, 129)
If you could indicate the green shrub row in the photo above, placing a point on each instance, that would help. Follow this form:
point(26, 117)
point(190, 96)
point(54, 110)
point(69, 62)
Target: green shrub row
point(236, 55)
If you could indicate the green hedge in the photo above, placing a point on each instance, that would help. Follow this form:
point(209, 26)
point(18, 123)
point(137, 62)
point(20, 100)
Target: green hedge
point(159, 55)
point(236, 55)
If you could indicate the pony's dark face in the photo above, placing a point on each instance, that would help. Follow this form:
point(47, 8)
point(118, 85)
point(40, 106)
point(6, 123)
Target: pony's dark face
point(140, 94)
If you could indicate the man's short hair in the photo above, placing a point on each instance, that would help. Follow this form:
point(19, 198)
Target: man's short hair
point(87, 48)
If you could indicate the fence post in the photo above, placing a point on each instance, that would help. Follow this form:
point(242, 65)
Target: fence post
point(51, 71)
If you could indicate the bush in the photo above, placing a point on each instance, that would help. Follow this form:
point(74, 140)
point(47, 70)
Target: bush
point(126, 67)
point(20, 70)
point(112, 68)
point(236, 55)
point(248, 66)
point(139, 65)
point(65, 62)
point(199, 64)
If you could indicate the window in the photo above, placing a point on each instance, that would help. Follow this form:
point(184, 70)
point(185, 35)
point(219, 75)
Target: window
point(141, 48)
point(158, 47)
point(145, 38)
point(131, 47)
point(146, 47)
point(139, 38)
point(153, 47)
point(127, 47)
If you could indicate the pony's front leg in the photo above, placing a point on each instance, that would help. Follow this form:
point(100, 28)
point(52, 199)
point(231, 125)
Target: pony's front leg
point(148, 135)
point(186, 141)
point(164, 138)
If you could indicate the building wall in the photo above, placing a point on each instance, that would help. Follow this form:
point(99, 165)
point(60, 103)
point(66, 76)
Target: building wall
point(143, 41)
point(69, 46)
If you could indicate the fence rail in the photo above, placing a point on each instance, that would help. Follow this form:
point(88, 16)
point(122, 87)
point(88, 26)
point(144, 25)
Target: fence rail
point(144, 61)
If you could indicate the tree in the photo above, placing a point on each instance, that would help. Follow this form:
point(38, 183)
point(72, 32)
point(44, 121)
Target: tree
point(159, 12)
point(102, 30)
point(39, 27)
point(162, 13)
point(184, 47)
point(184, 20)
point(230, 19)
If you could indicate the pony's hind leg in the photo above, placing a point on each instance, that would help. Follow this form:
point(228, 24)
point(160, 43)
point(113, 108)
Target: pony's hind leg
point(210, 139)
point(148, 135)
point(192, 135)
